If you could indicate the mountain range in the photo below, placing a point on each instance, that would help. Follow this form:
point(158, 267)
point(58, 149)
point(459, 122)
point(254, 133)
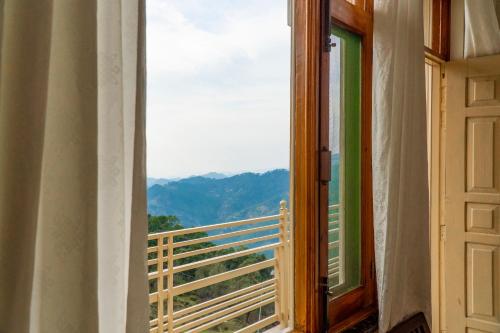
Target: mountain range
point(163, 181)
point(216, 198)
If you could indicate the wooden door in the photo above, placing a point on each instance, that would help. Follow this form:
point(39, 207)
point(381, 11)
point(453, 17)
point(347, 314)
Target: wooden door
point(472, 195)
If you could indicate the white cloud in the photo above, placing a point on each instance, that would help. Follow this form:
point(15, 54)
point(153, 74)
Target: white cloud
point(218, 86)
point(240, 34)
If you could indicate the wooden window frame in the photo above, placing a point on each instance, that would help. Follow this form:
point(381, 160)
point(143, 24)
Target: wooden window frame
point(436, 184)
point(440, 30)
point(306, 50)
point(361, 302)
point(308, 59)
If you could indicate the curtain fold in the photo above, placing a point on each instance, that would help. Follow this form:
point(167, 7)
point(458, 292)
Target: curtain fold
point(400, 183)
point(73, 223)
point(482, 28)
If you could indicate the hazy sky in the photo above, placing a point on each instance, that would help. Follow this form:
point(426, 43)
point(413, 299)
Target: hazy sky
point(218, 86)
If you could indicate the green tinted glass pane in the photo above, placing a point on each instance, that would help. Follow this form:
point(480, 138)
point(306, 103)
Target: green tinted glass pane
point(344, 250)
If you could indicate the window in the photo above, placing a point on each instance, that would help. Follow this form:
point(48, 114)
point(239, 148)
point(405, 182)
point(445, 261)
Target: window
point(344, 246)
point(345, 207)
point(219, 245)
point(437, 27)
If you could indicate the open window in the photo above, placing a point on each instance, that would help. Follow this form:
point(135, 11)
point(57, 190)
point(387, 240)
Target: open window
point(334, 267)
point(344, 199)
point(220, 232)
point(346, 227)
point(332, 207)
point(437, 28)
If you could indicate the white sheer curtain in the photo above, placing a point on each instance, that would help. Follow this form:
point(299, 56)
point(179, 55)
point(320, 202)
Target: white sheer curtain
point(400, 185)
point(73, 224)
point(482, 28)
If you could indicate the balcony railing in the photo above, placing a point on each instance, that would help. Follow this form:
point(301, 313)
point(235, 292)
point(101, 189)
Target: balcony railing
point(260, 286)
point(335, 246)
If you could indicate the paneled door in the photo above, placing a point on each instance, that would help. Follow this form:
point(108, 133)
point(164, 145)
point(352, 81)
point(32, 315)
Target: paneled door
point(471, 229)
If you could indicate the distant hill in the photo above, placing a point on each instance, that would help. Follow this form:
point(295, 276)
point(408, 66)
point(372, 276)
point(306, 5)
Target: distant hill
point(214, 175)
point(163, 181)
point(215, 198)
point(160, 181)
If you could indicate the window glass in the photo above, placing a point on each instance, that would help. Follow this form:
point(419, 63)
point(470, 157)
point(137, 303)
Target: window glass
point(344, 248)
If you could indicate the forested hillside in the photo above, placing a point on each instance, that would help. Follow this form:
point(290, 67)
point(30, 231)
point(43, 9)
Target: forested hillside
point(200, 200)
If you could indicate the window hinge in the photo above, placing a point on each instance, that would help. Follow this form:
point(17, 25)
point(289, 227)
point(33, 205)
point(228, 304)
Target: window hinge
point(325, 165)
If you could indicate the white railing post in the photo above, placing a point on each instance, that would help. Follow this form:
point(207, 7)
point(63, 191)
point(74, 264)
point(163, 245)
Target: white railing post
point(170, 283)
point(159, 267)
point(277, 276)
point(282, 264)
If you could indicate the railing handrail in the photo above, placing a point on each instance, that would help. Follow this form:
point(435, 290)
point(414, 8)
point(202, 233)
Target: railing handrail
point(222, 225)
point(230, 234)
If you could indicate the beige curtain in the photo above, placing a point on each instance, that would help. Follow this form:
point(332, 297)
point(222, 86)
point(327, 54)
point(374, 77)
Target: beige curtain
point(73, 223)
point(482, 28)
point(400, 181)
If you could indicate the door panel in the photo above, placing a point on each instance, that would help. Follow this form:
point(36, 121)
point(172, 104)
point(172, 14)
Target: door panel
point(482, 156)
point(472, 195)
point(483, 91)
